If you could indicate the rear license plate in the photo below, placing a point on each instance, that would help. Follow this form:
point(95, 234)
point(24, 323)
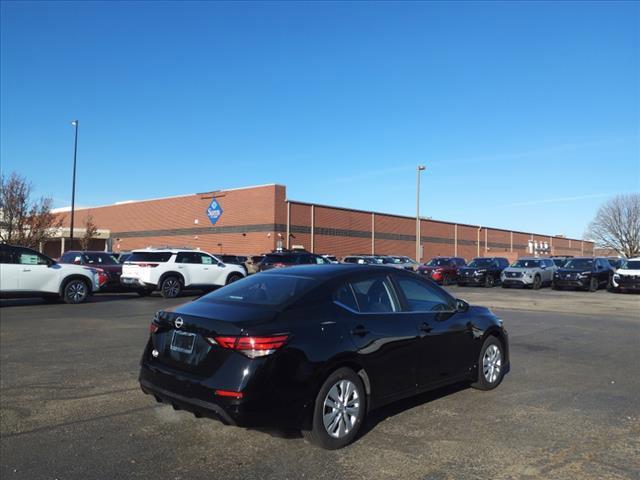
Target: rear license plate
point(128, 280)
point(182, 341)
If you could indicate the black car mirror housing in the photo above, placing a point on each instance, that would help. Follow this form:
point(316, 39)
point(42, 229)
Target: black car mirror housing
point(461, 305)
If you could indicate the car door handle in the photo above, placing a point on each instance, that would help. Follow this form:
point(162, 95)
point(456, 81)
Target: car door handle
point(359, 331)
point(425, 327)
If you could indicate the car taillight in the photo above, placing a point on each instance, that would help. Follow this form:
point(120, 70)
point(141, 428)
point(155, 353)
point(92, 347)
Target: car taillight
point(252, 347)
point(153, 327)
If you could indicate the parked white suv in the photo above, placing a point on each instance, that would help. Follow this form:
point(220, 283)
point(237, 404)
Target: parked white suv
point(27, 273)
point(172, 270)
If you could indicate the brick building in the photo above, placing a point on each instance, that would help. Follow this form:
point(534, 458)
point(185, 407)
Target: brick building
point(259, 219)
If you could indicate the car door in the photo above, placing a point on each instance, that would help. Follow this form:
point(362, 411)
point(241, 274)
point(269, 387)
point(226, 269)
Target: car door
point(445, 346)
point(37, 272)
point(9, 269)
point(384, 337)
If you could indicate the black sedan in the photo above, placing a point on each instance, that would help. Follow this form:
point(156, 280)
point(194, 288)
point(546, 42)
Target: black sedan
point(317, 347)
point(585, 273)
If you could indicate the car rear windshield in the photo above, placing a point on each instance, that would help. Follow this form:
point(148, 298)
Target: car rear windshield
point(631, 265)
point(159, 257)
point(526, 264)
point(439, 262)
point(579, 263)
point(263, 289)
point(286, 259)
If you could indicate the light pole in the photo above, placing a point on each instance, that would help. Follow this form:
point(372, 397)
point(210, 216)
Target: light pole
point(73, 183)
point(418, 256)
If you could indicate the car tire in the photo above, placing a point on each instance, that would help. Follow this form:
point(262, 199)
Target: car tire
point(490, 364)
point(344, 426)
point(170, 287)
point(593, 284)
point(233, 277)
point(489, 281)
point(75, 291)
point(537, 282)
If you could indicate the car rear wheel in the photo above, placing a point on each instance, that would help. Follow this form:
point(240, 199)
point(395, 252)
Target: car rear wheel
point(593, 284)
point(234, 277)
point(490, 365)
point(171, 287)
point(338, 411)
point(537, 282)
point(75, 291)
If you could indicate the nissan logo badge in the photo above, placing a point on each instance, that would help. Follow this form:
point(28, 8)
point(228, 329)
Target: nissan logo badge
point(179, 322)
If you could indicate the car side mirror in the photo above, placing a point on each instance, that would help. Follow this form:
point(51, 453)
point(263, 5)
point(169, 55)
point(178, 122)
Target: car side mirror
point(461, 305)
point(543, 267)
point(221, 265)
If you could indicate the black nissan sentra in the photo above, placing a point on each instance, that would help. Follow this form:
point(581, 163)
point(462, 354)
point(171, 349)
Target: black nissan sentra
point(317, 347)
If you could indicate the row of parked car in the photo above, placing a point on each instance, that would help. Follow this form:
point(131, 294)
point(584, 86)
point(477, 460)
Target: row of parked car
point(78, 274)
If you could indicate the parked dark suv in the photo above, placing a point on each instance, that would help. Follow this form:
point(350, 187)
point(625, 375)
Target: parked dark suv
point(288, 259)
point(482, 271)
point(586, 273)
point(103, 261)
point(442, 270)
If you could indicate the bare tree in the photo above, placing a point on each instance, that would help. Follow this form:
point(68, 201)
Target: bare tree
point(24, 221)
point(90, 231)
point(617, 225)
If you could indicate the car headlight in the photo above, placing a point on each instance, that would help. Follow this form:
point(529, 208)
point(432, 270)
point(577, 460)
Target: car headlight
point(479, 272)
point(584, 274)
point(616, 276)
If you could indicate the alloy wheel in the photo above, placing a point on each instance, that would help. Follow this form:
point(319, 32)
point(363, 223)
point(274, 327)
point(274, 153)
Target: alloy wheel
point(76, 291)
point(171, 287)
point(341, 408)
point(492, 363)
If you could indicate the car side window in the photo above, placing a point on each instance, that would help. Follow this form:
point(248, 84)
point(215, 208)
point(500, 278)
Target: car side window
point(423, 298)
point(7, 254)
point(29, 257)
point(375, 295)
point(204, 258)
point(344, 296)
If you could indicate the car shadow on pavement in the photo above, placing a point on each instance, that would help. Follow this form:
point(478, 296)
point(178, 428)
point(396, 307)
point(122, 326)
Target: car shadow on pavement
point(378, 415)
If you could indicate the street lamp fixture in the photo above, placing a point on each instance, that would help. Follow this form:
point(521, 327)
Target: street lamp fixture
point(420, 168)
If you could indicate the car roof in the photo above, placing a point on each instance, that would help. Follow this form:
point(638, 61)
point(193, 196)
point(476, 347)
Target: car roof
point(88, 251)
point(167, 250)
point(329, 270)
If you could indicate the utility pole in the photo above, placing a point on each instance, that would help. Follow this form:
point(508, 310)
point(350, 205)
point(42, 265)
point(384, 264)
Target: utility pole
point(73, 184)
point(420, 169)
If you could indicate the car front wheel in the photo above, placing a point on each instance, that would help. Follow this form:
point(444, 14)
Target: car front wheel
point(338, 411)
point(234, 277)
point(593, 284)
point(490, 365)
point(537, 282)
point(75, 291)
point(489, 281)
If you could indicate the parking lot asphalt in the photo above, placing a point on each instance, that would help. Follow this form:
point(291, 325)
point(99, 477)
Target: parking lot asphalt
point(71, 408)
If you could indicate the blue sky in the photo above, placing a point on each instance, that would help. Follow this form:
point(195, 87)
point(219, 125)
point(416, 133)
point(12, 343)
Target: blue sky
point(527, 115)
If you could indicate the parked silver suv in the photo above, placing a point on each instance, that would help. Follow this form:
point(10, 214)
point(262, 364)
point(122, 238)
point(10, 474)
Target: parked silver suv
point(529, 272)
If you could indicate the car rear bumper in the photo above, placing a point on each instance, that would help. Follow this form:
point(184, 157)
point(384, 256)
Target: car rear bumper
point(255, 409)
point(134, 283)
